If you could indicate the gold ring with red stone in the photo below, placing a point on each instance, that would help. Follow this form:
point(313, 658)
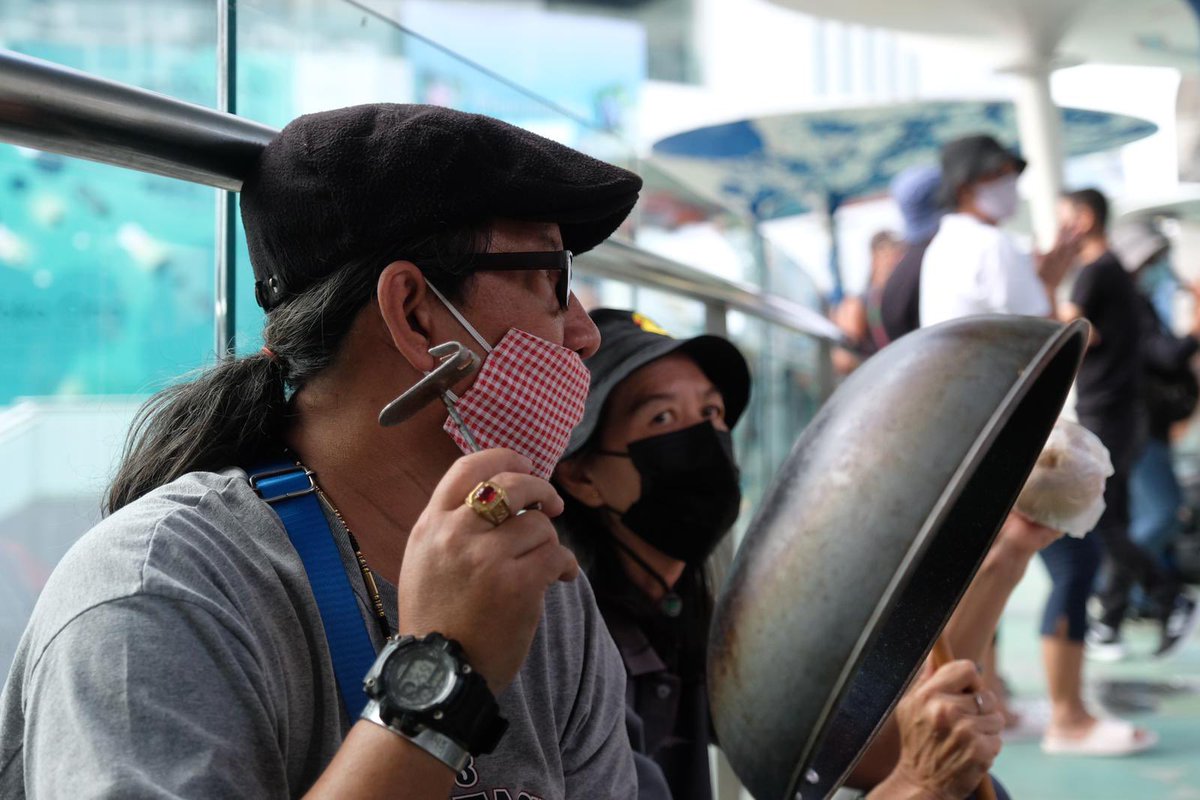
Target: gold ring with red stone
point(490, 502)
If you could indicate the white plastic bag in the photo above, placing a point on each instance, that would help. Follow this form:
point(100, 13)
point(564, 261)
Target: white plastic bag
point(1066, 489)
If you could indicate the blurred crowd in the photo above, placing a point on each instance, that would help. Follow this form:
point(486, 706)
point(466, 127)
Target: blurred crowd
point(1135, 391)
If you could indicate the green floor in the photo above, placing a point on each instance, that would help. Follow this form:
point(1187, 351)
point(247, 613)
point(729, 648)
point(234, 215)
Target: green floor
point(1171, 771)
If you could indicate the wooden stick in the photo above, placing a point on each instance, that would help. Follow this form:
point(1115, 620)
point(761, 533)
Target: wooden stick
point(943, 655)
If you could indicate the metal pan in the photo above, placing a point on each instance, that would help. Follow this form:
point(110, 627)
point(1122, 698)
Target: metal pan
point(868, 538)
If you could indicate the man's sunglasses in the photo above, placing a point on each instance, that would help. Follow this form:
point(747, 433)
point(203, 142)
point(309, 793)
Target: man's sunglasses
point(520, 262)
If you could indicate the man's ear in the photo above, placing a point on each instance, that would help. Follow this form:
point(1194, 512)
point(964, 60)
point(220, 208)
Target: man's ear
point(572, 475)
point(402, 294)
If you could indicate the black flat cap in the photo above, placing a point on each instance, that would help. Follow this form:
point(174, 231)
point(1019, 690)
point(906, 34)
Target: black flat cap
point(337, 185)
point(630, 341)
point(966, 160)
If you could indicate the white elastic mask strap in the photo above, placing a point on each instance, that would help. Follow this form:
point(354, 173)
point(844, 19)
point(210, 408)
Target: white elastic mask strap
point(487, 348)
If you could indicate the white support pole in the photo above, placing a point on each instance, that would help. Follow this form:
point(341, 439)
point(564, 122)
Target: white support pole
point(1039, 124)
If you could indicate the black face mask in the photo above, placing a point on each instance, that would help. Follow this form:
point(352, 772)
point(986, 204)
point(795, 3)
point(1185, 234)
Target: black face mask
point(690, 495)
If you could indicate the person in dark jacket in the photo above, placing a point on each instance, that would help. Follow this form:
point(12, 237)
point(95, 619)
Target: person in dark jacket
point(650, 487)
point(677, 400)
point(1154, 493)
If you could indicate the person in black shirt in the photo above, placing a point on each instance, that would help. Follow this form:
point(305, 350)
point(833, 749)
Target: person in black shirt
point(1108, 404)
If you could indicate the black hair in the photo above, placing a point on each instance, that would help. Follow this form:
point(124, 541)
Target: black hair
point(234, 414)
point(1093, 200)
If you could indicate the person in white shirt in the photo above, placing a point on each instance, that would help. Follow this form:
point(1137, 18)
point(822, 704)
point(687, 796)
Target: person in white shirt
point(972, 266)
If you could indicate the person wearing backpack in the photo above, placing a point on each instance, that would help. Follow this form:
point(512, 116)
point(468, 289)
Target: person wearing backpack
point(1109, 404)
point(1170, 390)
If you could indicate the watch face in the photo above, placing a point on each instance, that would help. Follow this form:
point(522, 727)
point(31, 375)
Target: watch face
point(421, 676)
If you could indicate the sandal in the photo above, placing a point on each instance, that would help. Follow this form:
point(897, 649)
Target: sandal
point(1108, 737)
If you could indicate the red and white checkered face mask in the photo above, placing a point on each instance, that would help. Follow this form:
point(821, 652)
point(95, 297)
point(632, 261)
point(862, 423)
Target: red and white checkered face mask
point(528, 395)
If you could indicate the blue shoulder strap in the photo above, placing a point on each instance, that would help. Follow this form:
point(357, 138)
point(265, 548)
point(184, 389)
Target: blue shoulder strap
point(291, 492)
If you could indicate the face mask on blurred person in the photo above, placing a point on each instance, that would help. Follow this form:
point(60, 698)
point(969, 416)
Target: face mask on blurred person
point(690, 495)
point(997, 199)
point(528, 395)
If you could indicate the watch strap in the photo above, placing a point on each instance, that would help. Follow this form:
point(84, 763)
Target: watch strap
point(438, 745)
point(474, 715)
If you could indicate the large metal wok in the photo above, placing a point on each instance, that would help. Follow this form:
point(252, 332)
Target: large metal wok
point(868, 538)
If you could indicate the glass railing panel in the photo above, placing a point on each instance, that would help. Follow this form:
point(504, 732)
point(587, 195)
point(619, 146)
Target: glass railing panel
point(166, 46)
point(789, 386)
point(752, 434)
point(787, 276)
point(681, 317)
point(107, 279)
point(542, 74)
point(106, 284)
point(797, 384)
point(570, 75)
point(295, 59)
point(677, 222)
point(596, 293)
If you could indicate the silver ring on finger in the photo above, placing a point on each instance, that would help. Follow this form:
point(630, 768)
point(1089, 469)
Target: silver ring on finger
point(979, 702)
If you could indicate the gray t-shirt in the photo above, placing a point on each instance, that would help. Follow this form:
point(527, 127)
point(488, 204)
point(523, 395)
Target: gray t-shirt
point(177, 651)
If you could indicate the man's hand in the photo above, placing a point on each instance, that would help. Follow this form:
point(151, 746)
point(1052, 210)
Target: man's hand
point(1055, 263)
point(480, 584)
point(949, 739)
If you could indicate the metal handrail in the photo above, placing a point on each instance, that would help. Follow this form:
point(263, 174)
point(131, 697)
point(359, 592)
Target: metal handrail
point(620, 260)
point(50, 107)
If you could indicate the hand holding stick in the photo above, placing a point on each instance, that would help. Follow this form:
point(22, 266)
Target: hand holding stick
point(942, 655)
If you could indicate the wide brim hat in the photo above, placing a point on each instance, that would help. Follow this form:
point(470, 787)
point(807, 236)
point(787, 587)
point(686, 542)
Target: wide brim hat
point(630, 341)
point(964, 161)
